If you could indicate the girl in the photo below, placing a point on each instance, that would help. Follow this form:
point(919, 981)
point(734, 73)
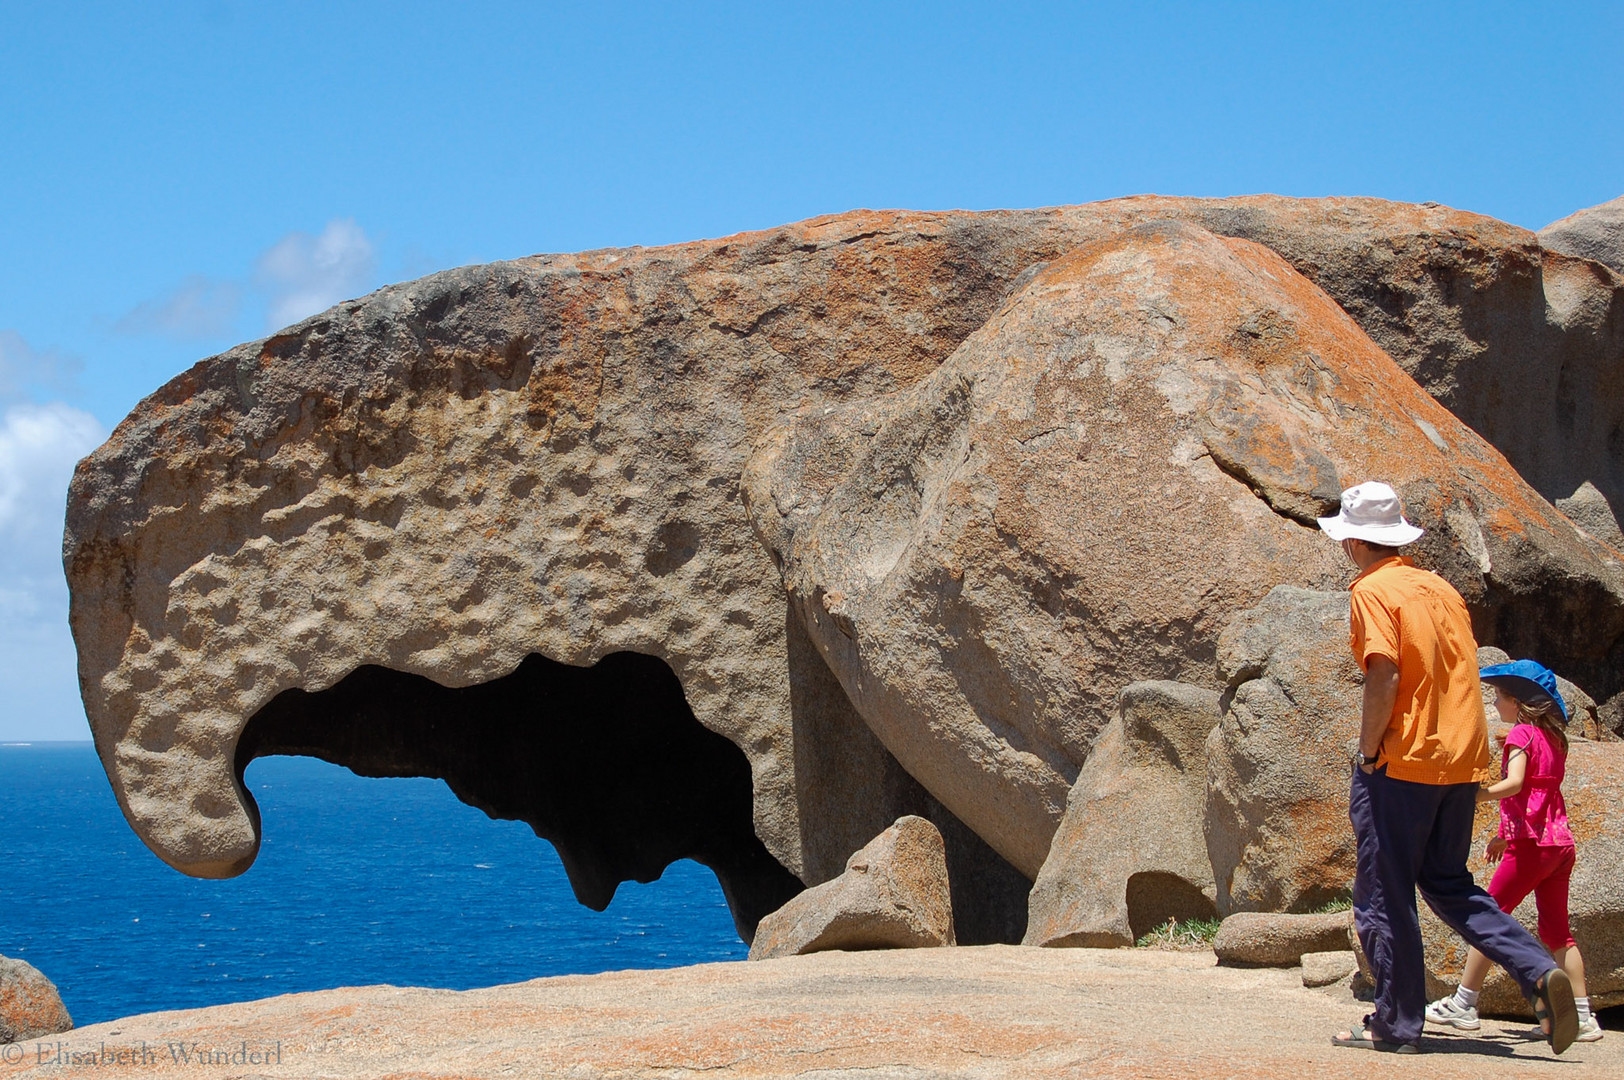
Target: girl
point(1533, 846)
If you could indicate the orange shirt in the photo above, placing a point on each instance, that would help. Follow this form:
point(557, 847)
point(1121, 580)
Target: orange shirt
point(1417, 620)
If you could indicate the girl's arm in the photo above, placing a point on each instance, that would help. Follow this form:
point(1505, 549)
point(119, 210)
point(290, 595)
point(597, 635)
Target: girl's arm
point(1516, 772)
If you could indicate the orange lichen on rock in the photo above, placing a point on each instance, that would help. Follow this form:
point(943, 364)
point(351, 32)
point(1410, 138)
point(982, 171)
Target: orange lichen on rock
point(1129, 453)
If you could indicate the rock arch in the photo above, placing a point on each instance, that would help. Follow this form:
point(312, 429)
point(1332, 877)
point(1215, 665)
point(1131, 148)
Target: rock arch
point(607, 762)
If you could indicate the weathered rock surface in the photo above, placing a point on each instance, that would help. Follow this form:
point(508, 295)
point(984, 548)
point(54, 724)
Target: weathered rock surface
point(963, 1013)
point(1129, 453)
point(1595, 233)
point(1594, 791)
point(30, 1007)
point(1129, 853)
point(1326, 968)
point(1278, 771)
point(893, 895)
point(1273, 939)
point(540, 458)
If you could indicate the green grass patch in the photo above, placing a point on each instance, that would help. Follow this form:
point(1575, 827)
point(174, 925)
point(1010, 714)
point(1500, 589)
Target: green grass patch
point(1333, 905)
point(1191, 935)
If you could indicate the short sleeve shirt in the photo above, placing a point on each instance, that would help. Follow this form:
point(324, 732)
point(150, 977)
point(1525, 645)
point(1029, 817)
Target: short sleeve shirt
point(1437, 734)
point(1537, 812)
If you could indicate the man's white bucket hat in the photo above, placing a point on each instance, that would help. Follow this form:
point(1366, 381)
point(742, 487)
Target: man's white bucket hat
point(1371, 512)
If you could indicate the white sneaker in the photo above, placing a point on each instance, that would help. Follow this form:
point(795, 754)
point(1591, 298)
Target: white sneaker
point(1589, 1031)
point(1447, 1012)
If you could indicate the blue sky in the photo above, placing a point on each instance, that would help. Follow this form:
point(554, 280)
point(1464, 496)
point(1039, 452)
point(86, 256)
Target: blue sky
point(179, 177)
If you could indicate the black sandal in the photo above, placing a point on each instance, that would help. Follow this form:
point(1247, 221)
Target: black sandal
point(1555, 1010)
point(1356, 1041)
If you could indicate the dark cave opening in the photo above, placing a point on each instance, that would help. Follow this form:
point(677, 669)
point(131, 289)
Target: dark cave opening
point(1155, 897)
point(608, 763)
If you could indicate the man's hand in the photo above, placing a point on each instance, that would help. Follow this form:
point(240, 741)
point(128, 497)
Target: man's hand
point(1496, 848)
point(1381, 691)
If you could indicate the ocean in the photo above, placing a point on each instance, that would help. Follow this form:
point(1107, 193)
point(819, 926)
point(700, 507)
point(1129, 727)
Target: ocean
point(359, 881)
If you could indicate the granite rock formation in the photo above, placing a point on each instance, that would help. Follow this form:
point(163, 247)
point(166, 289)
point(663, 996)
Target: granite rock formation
point(1131, 451)
point(892, 895)
point(1129, 853)
point(540, 459)
point(30, 1007)
point(1595, 233)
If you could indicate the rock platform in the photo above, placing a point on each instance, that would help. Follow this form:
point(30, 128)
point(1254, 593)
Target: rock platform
point(992, 1011)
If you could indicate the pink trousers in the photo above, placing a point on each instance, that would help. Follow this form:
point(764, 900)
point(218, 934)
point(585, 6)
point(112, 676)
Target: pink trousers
point(1529, 867)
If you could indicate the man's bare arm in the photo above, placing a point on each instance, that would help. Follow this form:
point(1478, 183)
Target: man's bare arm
point(1381, 691)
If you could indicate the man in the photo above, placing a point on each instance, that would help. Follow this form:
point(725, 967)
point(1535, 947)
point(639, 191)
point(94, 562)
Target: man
point(1423, 751)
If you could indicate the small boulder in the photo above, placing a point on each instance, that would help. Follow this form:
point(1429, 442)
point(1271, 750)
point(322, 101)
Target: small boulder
point(1589, 509)
point(1325, 968)
point(1265, 939)
point(1129, 853)
point(1610, 718)
point(30, 1007)
point(892, 895)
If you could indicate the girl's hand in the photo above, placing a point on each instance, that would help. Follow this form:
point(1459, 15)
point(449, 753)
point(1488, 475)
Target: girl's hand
point(1496, 848)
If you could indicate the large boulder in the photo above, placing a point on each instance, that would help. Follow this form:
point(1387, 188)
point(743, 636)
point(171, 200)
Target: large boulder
point(540, 458)
point(1129, 453)
point(30, 1007)
point(1278, 771)
point(893, 895)
point(1129, 853)
point(1595, 233)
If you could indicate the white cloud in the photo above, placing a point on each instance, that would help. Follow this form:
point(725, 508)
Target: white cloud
point(23, 366)
point(39, 446)
point(305, 274)
point(198, 308)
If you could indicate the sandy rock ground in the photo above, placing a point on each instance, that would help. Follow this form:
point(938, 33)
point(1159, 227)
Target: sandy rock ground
point(965, 1012)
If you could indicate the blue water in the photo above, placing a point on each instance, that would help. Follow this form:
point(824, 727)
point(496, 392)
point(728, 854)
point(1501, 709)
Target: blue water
point(359, 881)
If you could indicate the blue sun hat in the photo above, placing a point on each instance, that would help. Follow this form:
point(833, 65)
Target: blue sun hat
point(1525, 679)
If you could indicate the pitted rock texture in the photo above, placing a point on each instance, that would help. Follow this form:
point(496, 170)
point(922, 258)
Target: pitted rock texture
point(540, 457)
point(1132, 451)
point(1129, 853)
point(30, 1007)
point(893, 895)
point(1271, 939)
point(1594, 791)
point(1595, 233)
point(1278, 767)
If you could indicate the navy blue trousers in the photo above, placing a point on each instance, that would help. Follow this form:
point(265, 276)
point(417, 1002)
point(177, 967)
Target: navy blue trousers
point(1414, 836)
